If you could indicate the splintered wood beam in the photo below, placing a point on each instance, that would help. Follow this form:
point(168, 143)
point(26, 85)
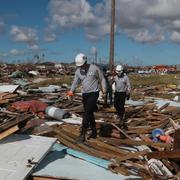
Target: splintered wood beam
point(175, 154)
point(136, 143)
point(148, 130)
point(72, 143)
point(95, 143)
point(163, 107)
point(123, 132)
point(9, 131)
point(91, 147)
point(17, 120)
point(44, 178)
point(176, 144)
point(132, 155)
point(106, 147)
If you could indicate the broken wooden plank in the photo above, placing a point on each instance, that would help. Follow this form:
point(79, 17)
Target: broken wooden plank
point(174, 154)
point(123, 132)
point(9, 131)
point(135, 143)
point(17, 120)
point(134, 155)
point(44, 178)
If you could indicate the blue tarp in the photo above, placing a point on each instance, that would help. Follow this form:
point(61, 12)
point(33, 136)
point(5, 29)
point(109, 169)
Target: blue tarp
point(97, 161)
point(61, 163)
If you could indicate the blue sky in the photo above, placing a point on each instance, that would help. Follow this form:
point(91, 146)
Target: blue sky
point(147, 32)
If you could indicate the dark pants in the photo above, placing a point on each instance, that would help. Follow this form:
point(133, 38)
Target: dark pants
point(89, 103)
point(119, 102)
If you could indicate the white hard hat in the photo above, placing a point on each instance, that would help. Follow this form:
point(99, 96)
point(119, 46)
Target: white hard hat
point(119, 68)
point(80, 59)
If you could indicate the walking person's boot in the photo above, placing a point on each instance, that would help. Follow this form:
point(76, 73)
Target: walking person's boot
point(121, 122)
point(82, 136)
point(122, 126)
point(93, 133)
point(125, 126)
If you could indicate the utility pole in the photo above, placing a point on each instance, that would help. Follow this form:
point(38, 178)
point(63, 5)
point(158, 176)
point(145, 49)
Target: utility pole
point(111, 54)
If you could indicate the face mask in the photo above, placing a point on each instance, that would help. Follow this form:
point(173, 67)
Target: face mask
point(119, 73)
point(84, 69)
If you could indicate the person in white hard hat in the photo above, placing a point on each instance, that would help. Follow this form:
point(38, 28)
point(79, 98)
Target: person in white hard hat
point(122, 93)
point(92, 80)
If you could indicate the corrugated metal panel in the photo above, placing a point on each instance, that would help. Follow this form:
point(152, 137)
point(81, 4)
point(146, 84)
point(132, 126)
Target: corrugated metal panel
point(15, 151)
point(58, 164)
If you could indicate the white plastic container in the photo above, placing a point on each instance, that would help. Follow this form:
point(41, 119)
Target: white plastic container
point(55, 112)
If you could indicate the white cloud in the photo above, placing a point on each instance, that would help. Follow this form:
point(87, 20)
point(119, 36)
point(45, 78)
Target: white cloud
point(77, 14)
point(24, 34)
point(145, 36)
point(34, 47)
point(50, 37)
point(15, 52)
point(176, 24)
point(3, 54)
point(93, 50)
point(139, 19)
point(164, 8)
point(97, 32)
point(70, 13)
point(175, 36)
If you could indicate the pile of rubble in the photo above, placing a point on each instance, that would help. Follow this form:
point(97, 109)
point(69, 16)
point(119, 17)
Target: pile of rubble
point(149, 149)
point(143, 152)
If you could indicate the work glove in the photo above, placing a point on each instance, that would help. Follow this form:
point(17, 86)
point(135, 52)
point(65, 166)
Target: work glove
point(128, 96)
point(69, 94)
